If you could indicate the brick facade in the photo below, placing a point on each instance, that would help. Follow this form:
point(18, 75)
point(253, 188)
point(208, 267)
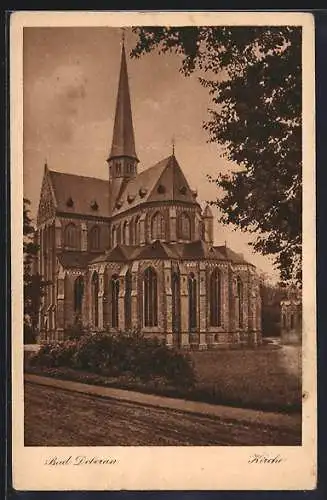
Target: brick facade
point(98, 239)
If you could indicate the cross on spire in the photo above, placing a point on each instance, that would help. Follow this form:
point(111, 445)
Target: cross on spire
point(173, 145)
point(123, 35)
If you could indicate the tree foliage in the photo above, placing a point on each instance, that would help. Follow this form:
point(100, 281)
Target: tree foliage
point(33, 282)
point(254, 77)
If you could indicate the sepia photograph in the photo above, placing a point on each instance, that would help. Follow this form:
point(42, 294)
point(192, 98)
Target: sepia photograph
point(162, 278)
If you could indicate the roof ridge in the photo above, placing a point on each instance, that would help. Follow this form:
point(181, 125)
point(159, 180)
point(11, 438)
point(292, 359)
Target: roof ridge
point(77, 175)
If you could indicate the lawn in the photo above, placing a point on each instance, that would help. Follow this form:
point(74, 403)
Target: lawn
point(266, 377)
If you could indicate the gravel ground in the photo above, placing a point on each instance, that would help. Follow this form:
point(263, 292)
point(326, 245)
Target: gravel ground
point(54, 417)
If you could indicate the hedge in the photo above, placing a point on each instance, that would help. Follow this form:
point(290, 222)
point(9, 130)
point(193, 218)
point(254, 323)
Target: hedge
point(116, 355)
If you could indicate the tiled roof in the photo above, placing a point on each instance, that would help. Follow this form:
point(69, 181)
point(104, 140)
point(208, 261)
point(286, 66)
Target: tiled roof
point(231, 255)
point(77, 194)
point(164, 181)
point(196, 250)
point(73, 259)
point(201, 250)
point(120, 253)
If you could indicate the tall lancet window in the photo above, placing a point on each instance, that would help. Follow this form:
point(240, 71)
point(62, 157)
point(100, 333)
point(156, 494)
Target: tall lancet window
point(128, 300)
point(137, 230)
point(131, 232)
point(71, 236)
point(158, 227)
point(184, 226)
point(113, 236)
point(192, 301)
point(78, 295)
point(115, 301)
point(119, 234)
point(215, 298)
point(176, 301)
point(150, 297)
point(125, 235)
point(95, 298)
point(95, 238)
point(240, 301)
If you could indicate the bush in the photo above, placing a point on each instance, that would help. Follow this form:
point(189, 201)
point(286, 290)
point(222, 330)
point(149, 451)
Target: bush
point(76, 330)
point(52, 355)
point(122, 354)
point(29, 334)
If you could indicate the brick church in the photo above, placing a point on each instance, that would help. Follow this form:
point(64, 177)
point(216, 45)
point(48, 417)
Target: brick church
point(137, 251)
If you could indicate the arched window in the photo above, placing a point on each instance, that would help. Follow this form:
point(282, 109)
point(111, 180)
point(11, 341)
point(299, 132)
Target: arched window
point(71, 236)
point(240, 301)
point(113, 236)
point(176, 305)
point(137, 230)
point(202, 230)
point(150, 297)
point(115, 301)
point(78, 294)
point(184, 227)
point(125, 233)
point(128, 300)
point(132, 232)
point(158, 227)
point(192, 302)
point(95, 299)
point(215, 298)
point(118, 234)
point(95, 238)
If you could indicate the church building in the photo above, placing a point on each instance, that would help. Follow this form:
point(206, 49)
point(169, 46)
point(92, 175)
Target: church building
point(137, 251)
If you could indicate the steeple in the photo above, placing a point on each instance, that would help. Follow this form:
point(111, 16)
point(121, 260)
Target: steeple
point(122, 159)
point(123, 142)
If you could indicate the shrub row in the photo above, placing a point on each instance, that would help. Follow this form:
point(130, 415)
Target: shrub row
point(116, 355)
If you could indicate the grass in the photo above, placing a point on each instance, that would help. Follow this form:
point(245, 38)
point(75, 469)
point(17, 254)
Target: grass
point(266, 378)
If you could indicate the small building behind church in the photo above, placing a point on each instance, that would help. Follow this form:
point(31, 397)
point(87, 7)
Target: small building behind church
point(136, 251)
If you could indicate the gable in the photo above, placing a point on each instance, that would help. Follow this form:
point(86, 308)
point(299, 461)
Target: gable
point(47, 204)
point(138, 189)
point(163, 182)
point(172, 185)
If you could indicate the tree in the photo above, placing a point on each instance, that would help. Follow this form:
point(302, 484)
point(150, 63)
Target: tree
point(33, 283)
point(254, 77)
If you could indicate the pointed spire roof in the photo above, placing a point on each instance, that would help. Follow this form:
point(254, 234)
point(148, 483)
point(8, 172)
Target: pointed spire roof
point(208, 212)
point(123, 142)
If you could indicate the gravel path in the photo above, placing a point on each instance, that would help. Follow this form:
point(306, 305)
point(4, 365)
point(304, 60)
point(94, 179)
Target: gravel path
point(55, 417)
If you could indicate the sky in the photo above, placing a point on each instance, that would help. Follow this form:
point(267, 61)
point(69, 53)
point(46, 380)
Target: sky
point(70, 84)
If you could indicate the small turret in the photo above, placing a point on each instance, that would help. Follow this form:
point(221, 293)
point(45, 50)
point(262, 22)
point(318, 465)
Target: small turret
point(207, 217)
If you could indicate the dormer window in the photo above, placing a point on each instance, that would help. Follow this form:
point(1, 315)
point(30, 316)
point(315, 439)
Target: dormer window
point(194, 193)
point(142, 192)
point(119, 204)
point(94, 205)
point(130, 198)
point(182, 190)
point(161, 189)
point(70, 202)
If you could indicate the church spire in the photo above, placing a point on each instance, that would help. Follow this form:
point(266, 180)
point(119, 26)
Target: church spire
point(123, 142)
point(122, 160)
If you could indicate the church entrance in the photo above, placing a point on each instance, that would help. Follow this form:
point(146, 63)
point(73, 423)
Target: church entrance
point(176, 309)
